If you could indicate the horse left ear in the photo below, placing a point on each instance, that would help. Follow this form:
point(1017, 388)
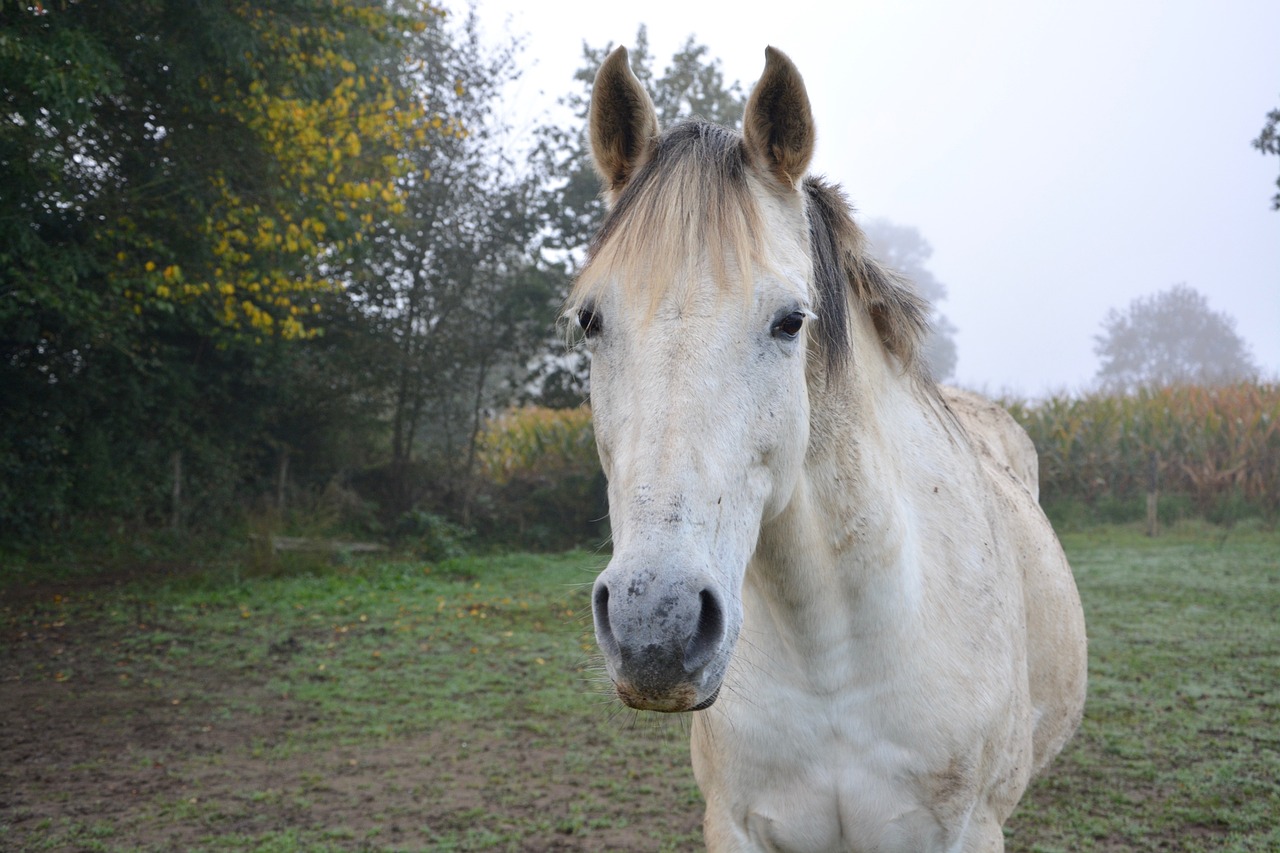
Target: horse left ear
point(778, 125)
point(624, 124)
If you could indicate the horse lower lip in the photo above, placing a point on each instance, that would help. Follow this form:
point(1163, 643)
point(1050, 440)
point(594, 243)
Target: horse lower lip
point(672, 701)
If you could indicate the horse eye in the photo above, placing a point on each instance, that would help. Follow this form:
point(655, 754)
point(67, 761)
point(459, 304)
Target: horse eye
point(589, 322)
point(789, 326)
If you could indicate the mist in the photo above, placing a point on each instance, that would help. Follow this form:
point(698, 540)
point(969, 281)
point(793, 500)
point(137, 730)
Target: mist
point(1060, 160)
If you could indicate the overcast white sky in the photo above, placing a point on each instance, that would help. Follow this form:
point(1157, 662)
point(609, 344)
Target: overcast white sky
point(1062, 158)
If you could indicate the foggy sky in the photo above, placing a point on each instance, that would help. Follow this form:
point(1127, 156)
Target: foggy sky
point(1061, 158)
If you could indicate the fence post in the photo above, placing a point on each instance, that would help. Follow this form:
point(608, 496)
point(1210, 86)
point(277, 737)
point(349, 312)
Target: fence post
point(1153, 481)
point(175, 518)
point(282, 478)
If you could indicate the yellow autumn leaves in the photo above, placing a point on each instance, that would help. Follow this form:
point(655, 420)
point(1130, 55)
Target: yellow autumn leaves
point(329, 132)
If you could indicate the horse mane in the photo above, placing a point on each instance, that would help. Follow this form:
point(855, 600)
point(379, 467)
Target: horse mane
point(844, 269)
point(692, 200)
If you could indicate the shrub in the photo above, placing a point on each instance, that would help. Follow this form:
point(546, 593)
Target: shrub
point(541, 483)
point(431, 536)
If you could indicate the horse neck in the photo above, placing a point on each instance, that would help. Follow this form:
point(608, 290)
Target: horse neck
point(839, 561)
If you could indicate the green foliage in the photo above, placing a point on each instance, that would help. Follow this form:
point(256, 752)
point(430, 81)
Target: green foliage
point(175, 210)
point(197, 192)
point(177, 160)
point(1268, 142)
point(430, 536)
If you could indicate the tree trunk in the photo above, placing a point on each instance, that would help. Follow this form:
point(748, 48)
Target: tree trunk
point(473, 441)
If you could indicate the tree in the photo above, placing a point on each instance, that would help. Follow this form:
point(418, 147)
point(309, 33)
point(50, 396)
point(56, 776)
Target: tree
point(209, 159)
point(692, 85)
point(452, 295)
point(184, 186)
point(1268, 142)
point(1171, 338)
point(902, 248)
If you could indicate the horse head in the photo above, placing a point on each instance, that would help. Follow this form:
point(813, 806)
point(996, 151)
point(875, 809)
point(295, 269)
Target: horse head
point(697, 308)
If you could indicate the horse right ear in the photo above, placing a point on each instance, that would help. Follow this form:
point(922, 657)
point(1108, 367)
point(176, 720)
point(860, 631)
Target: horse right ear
point(778, 125)
point(623, 124)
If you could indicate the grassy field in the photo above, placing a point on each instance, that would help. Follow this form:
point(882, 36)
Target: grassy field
point(455, 706)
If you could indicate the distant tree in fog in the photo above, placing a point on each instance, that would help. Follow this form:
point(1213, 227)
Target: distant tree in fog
point(1171, 338)
point(1268, 142)
point(902, 248)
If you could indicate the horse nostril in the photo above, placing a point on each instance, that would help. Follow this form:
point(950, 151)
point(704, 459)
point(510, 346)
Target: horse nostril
point(600, 609)
point(705, 641)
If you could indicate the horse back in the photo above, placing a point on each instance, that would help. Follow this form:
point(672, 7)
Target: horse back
point(996, 435)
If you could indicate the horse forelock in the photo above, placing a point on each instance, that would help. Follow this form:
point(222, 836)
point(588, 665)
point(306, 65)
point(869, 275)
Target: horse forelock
point(689, 204)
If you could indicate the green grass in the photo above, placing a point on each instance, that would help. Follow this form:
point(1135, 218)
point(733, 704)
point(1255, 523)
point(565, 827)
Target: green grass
point(391, 705)
point(1180, 745)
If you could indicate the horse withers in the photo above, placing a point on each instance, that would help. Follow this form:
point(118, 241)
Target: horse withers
point(841, 567)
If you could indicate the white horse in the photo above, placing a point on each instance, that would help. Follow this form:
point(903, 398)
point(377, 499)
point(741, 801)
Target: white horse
point(846, 576)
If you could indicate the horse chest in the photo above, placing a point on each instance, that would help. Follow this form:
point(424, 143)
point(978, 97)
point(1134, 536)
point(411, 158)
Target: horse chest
point(817, 781)
point(858, 805)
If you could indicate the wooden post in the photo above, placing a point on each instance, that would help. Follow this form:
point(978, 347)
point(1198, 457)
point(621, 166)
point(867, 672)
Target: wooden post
point(1153, 482)
point(175, 518)
point(282, 477)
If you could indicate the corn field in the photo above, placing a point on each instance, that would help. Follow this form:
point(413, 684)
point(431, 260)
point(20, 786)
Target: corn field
point(1213, 445)
point(533, 441)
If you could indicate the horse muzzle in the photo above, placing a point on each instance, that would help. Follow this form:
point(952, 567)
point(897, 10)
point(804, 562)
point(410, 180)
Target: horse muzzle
point(666, 640)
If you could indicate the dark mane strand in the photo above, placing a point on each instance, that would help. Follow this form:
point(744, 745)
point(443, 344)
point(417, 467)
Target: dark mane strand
point(826, 213)
point(842, 268)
